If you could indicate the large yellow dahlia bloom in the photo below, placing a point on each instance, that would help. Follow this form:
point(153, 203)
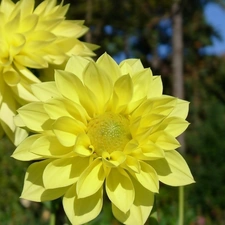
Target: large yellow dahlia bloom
point(32, 38)
point(102, 127)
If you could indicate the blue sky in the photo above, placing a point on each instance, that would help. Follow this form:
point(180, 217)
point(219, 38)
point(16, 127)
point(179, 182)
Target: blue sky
point(215, 16)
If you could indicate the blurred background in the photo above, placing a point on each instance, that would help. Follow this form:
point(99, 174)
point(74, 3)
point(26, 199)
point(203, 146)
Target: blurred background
point(184, 42)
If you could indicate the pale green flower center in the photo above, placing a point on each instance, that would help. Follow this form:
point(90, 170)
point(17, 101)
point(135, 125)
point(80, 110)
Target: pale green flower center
point(109, 132)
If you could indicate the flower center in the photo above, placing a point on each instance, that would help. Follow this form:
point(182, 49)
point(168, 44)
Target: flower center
point(109, 132)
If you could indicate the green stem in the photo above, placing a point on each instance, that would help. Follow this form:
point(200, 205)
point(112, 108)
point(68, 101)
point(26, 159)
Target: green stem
point(53, 214)
point(52, 219)
point(181, 205)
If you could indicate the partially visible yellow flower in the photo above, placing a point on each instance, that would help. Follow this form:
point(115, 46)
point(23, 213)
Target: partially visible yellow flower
point(102, 127)
point(32, 38)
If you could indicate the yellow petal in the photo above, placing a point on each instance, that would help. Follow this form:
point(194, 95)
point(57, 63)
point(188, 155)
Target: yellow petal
point(141, 83)
point(181, 109)
point(122, 95)
point(45, 91)
point(152, 151)
point(131, 66)
point(82, 210)
point(12, 78)
point(75, 90)
point(114, 159)
point(83, 145)
point(71, 82)
point(26, 74)
point(14, 22)
point(99, 83)
point(140, 210)
point(7, 6)
point(120, 189)
point(26, 7)
point(31, 60)
point(29, 23)
point(55, 108)
point(70, 29)
point(77, 65)
point(180, 172)
point(49, 147)
point(33, 116)
point(23, 153)
point(33, 188)
point(173, 126)
point(164, 140)
point(156, 87)
point(7, 112)
point(147, 177)
point(20, 135)
point(23, 93)
point(91, 180)
point(133, 164)
point(64, 172)
point(107, 63)
point(66, 130)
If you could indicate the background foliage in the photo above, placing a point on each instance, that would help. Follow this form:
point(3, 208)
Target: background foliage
point(134, 28)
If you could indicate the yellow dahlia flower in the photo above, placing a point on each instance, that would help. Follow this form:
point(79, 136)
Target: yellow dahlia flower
point(102, 128)
point(32, 38)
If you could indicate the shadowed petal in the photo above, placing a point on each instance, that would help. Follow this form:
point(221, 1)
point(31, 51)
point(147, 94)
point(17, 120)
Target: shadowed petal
point(45, 91)
point(120, 189)
point(106, 63)
point(99, 83)
point(64, 172)
point(91, 179)
point(66, 130)
point(33, 188)
point(140, 210)
point(82, 210)
point(34, 116)
point(23, 153)
point(147, 177)
point(48, 146)
point(122, 95)
point(174, 170)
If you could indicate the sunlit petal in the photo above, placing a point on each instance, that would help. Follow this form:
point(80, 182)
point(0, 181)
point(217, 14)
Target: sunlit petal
point(82, 210)
point(120, 189)
point(63, 172)
point(33, 188)
point(93, 177)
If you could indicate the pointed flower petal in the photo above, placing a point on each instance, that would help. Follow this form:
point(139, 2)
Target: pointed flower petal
point(83, 145)
point(147, 177)
point(23, 153)
point(33, 188)
point(91, 179)
point(63, 172)
point(120, 189)
point(45, 91)
point(123, 92)
point(48, 146)
point(174, 170)
point(106, 63)
point(99, 83)
point(66, 130)
point(82, 210)
point(140, 210)
point(181, 174)
point(34, 116)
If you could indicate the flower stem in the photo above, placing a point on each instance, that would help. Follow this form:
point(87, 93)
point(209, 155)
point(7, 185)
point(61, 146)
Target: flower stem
point(52, 218)
point(181, 205)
